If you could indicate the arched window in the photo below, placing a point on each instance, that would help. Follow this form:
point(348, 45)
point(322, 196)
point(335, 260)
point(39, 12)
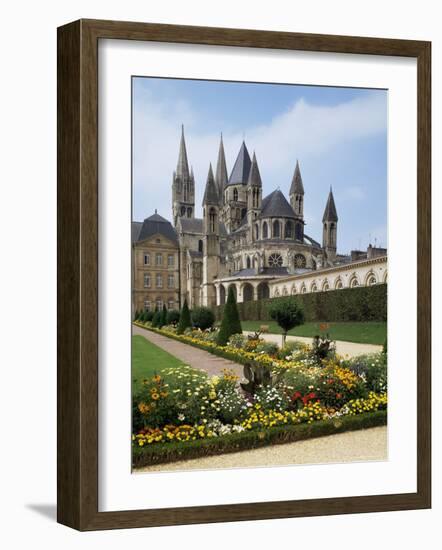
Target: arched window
point(183, 211)
point(212, 220)
point(248, 262)
point(313, 287)
point(186, 192)
point(325, 286)
point(354, 282)
point(338, 284)
point(293, 291)
point(288, 234)
point(256, 231)
point(303, 289)
point(200, 246)
point(264, 230)
point(371, 280)
point(189, 212)
point(276, 231)
point(275, 260)
point(285, 291)
point(333, 234)
point(243, 212)
point(300, 261)
point(298, 232)
point(235, 194)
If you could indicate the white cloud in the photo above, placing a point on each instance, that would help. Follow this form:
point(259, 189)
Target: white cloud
point(305, 130)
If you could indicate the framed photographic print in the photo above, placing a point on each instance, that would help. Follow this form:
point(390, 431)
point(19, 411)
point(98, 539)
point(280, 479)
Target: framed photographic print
point(243, 274)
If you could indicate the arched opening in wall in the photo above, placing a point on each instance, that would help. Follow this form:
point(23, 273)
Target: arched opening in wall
point(299, 232)
point(212, 220)
point(247, 292)
point(243, 213)
point(303, 289)
point(371, 279)
point(385, 277)
point(255, 263)
point(183, 211)
point(256, 231)
point(293, 290)
point(222, 295)
point(276, 229)
point(338, 284)
point(314, 287)
point(233, 287)
point(200, 246)
point(276, 293)
point(354, 282)
point(333, 234)
point(235, 194)
point(275, 260)
point(263, 291)
point(189, 212)
point(285, 292)
point(325, 286)
point(288, 232)
point(248, 262)
point(299, 261)
point(265, 230)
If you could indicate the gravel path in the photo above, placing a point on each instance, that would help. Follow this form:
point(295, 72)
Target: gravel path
point(194, 357)
point(343, 348)
point(357, 446)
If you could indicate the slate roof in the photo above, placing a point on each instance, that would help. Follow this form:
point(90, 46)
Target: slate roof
point(241, 168)
point(330, 214)
point(195, 225)
point(157, 224)
point(276, 205)
point(221, 177)
point(265, 271)
point(297, 188)
point(311, 241)
point(254, 175)
point(136, 228)
point(182, 168)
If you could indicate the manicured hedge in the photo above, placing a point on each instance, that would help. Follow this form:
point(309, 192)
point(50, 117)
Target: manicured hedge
point(364, 303)
point(160, 453)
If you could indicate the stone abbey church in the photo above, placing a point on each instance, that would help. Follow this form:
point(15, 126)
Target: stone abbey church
point(243, 240)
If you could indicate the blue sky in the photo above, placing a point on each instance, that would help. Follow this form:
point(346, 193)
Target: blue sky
point(339, 136)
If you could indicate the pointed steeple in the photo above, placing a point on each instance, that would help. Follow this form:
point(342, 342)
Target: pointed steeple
point(254, 175)
point(241, 168)
point(297, 188)
point(221, 169)
point(330, 214)
point(211, 192)
point(182, 168)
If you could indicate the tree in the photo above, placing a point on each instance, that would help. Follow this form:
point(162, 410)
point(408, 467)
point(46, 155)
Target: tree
point(148, 316)
point(184, 319)
point(156, 319)
point(230, 323)
point(163, 316)
point(203, 318)
point(173, 316)
point(288, 313)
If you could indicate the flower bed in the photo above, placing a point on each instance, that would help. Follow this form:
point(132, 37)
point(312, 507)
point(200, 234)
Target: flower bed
point(182, 409)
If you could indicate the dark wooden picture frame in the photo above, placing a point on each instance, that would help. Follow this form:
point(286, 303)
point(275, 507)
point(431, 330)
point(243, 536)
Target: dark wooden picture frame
point(77, 226)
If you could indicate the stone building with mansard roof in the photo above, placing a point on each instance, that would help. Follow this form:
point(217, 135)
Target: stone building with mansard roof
point(245, 240)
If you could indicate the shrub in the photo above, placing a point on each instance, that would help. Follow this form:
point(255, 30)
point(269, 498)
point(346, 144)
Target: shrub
point(237, 341)
point(202, 318)
point(288, 313)
point(156, 319)
point(373, 368)
point(184, 322)
point(148, 316)
point(230, 323)
point(173, 316)
point(163, 317)
point(270, 348)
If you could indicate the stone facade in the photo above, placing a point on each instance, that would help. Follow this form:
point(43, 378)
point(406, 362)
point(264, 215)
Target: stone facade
point(257, 245)
point(155, 265)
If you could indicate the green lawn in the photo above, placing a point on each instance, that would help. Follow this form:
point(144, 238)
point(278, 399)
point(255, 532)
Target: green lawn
point(369, 332)
point(148, 359)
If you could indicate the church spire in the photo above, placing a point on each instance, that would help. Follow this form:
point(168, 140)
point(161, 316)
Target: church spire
point(297, 188)
point(182, 169)
point(221, 170)
point(211, 192)
point(254, 175)
point(330, 214)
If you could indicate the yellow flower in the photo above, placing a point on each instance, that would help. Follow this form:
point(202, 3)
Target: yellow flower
point(155, 396)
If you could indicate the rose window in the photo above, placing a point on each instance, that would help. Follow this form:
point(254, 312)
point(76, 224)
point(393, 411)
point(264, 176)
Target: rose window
point(300, 261)
point(275, 260)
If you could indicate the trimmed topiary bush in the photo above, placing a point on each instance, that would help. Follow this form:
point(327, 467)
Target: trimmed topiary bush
point(156, 319)
point(230, 323)
point(148, 316)
point(202, 318)
point(184, 319)
point(163, 317)
point(288, 313)
point(173, 316)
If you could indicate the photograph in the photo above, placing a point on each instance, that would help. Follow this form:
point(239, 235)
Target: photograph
point(259, 274)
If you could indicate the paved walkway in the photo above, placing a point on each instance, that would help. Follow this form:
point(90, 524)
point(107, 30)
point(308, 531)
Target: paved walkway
point(357, 446)
point(194, 357)
point(350, 349)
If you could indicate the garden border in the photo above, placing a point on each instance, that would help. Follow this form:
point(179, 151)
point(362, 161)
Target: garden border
point(162, 453)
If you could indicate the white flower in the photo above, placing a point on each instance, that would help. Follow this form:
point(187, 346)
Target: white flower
point(181, 417)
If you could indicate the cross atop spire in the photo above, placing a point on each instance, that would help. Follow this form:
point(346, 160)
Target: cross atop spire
point(211, 191)
point(182, 169)
point(297, 188)
point(330, 213)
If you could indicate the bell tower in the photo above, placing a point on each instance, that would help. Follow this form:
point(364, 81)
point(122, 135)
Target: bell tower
point(183, 186)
